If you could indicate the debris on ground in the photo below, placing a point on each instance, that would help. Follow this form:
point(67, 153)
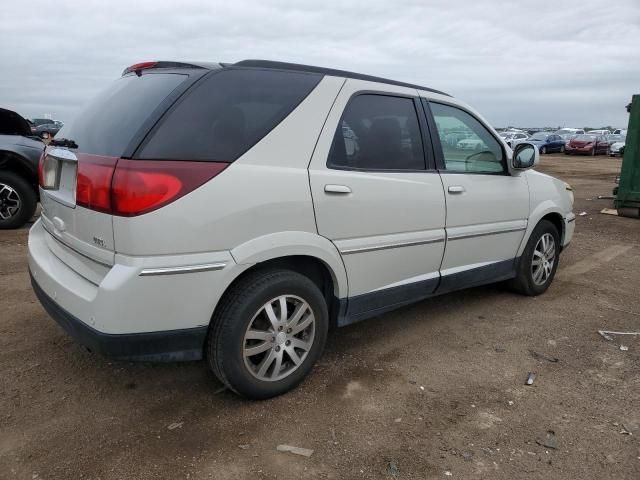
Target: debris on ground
point(625, 431)
point(609, 211)
point(549, 441)
point(530, 378)
point(305, 452)
point(624, 348)
point(499, 349)
point(392, 468)
point(606, 197)
point(510, 402)
point(244, 447)
point(448, 473)
point(542, 356)
point(468, 456)
point(175, 425)
point(582, 214)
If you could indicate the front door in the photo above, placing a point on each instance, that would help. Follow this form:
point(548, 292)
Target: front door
point(376, 199)
point(487, 208)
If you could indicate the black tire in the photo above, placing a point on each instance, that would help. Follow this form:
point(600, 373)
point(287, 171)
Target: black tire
point(27, 198)
point(232, 317)
point(524, 282)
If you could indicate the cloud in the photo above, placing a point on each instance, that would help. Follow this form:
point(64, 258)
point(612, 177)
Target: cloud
point(543, 63)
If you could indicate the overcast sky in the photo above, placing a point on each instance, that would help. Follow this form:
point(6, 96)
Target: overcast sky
point(560, 62)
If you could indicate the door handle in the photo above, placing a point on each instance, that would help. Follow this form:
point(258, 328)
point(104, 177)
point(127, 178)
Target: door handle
point(456, 189)
point(337, 189)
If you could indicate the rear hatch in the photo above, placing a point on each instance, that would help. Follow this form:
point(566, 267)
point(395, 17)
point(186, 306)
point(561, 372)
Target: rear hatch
point(76, 170)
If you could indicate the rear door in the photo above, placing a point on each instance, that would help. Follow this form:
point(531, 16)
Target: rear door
point(377, 197)
point(74, 203)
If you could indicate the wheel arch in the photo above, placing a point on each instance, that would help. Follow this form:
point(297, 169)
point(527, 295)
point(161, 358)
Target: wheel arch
point(545, 211)
point(15, 162)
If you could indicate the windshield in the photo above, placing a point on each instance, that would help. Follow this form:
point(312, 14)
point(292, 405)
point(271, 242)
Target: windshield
point(585, 138)
point(538, 136)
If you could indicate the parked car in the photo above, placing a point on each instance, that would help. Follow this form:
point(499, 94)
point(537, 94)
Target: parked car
point(547, 142)
point(598, 132)
point(19, 156)
point(511, 137)
point(218, 214)
point(619, 131)
point(568, 133)
point(587, 144)
point(45, 127)
point(616, 144)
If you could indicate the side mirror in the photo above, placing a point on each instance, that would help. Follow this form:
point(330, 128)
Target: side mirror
point(525, 156)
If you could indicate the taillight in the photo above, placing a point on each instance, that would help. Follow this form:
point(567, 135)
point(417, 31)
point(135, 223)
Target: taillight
point(134, 187)
point(93, 183)
point(140, 186)
point(41, 170)
point(48, 172)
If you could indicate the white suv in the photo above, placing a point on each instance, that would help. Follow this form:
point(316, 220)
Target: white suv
point(234, 212)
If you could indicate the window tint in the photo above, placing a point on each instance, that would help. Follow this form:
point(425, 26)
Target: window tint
point(378, 132)
point(466, 144)
point(109, 122)
point(227, 114)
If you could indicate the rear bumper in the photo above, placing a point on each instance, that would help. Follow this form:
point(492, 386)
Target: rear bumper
point(140, 308)
point(167, 346)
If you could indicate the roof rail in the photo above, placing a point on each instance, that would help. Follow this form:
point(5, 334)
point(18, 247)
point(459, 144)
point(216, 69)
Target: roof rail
point(327, 71)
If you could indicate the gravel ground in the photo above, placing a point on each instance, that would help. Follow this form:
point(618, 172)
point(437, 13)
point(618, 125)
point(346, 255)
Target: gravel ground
point(435, 390)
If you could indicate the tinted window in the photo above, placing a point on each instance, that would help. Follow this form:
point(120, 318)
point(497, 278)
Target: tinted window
point(109, 122)
point(467, 145)
point(378, 132)
point(228, 113)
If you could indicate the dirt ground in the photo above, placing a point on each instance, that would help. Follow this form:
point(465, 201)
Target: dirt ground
point(435, 390)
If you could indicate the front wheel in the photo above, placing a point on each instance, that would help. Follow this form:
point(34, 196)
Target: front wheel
point(539, 261)
point(267, 333)
point(18, 200)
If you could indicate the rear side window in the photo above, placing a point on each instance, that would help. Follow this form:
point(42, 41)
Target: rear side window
point(109, 122)
point(378, 132)
point(228, 113)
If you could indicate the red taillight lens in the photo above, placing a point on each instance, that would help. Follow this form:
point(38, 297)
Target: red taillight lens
point(140, 186)
point(133, 187)
point(93, 183)
point(41, 170)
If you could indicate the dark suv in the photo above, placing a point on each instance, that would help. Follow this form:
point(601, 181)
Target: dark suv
point(19, 155)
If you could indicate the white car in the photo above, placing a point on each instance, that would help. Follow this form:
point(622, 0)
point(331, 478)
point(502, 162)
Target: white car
point(513, 137)
point(215, 212)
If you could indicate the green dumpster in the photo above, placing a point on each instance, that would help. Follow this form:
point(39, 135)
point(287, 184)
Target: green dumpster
point(628, 197)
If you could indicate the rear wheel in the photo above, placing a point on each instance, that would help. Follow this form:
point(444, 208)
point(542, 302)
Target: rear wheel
point(267, 333)
point(18, 200)
point(539, 261)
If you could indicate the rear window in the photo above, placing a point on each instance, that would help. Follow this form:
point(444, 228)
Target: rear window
point(109, 122)
point(227, 113)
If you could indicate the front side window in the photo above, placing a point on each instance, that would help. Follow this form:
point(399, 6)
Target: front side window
point(378, 132)
point(467, 145)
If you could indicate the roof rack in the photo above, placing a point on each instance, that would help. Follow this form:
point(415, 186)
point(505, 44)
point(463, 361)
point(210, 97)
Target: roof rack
point(326, 71)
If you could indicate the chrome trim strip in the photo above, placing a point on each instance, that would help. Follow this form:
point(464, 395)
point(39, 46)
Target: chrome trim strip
point(63, 154)
point(460, 236)
point(374, 248)
point(205, 267)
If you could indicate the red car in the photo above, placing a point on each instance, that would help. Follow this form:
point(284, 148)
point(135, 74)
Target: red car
point(587, 144)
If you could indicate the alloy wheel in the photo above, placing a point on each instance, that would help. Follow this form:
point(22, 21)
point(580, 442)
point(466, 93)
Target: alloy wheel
point(9, 202)
point(278, 338)
point(544, 257)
